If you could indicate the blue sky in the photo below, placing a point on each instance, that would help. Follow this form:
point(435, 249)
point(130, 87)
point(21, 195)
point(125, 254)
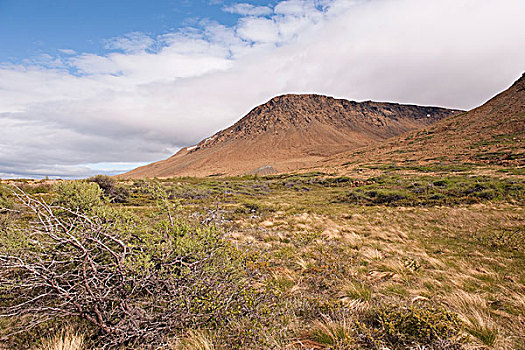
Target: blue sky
point(33, 27)
point(95, 86)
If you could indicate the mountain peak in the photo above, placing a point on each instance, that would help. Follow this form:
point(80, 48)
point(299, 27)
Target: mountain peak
point(292, 131)
point(300, 112)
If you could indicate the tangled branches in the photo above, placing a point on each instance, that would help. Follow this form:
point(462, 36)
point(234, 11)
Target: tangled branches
point(132, 282)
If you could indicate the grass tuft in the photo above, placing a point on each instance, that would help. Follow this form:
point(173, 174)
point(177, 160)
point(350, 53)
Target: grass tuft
point(334, 334)
point(66, 339)
point(195, 340)
point(357, 290)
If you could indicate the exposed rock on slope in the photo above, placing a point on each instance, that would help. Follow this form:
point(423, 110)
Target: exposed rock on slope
point(493, 133)
point(293, 131)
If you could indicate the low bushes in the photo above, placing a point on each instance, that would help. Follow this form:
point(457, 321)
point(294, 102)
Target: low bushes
point(5, 201)
point(397, 327)
point(112, 190)
point(76, 196)
point(389, 326)
point(512, 239)
point(450, 190)
point(133, 282)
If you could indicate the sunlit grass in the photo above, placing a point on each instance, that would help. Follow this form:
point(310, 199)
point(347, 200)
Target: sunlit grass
point(320, 256)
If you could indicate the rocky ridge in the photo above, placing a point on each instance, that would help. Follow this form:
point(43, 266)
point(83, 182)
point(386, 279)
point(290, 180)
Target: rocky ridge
point(293, 131)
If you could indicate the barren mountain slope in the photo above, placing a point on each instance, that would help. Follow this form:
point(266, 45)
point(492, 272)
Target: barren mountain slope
point(293, 131)
point(493, 133)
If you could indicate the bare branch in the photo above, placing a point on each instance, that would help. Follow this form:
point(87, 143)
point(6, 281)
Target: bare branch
point(130, 289)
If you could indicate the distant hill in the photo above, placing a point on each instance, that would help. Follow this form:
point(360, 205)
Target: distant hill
point(293, 131)
point(493, 133)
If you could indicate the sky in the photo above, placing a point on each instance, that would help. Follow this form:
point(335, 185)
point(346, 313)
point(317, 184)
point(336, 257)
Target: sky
point(100, 86)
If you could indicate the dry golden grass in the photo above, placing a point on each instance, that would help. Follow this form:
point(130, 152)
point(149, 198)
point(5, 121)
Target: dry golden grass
point(417, 254)
point(330, 333)
point(194, 340)
point(354, 290)
point(328, 261)
point(66, 339)
point(474, 311)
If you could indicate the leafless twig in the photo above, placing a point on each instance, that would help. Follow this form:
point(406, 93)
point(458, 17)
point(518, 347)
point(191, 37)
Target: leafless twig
point(83, 266)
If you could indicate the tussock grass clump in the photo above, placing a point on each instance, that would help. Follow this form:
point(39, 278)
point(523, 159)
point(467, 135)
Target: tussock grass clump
point(194, 340)
point(508, 239)
point(483, 328)
point(65, 339)
point(333, 334)
point(513, 171)
point(357, 290)
point(249, 207)
point(474, 311)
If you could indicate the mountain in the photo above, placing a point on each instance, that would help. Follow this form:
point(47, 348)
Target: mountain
point(493, 133)
point(292, 131)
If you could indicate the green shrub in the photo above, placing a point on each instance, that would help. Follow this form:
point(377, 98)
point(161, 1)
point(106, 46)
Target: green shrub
point(39, 188)
point(441, 183)
point(114, 192)
point(134, 281)
point(386, 196)
point(5, 200)
point(78, 195)
point(508, 239)
point(397, 327)
point(152, 190)
point(427, 191)
point(416, 324)
point(249, 208)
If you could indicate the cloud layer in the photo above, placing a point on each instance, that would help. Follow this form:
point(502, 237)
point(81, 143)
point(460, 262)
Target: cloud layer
point(73, 114)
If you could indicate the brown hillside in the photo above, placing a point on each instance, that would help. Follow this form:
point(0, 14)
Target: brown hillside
point(292, 131)
point(493, 133)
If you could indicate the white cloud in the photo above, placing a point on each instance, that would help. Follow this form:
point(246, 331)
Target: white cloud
point(295, 7)
point(260, 30)
point(153, 95)
point(131, 42)
point(67, 51)
point(245, 9)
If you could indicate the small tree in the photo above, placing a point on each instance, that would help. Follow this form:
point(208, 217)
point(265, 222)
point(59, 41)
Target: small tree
point(76, 196)
point(114, 192)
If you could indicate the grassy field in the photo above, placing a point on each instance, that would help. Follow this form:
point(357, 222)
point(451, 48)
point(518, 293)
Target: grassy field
point(408, 258)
